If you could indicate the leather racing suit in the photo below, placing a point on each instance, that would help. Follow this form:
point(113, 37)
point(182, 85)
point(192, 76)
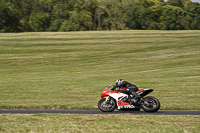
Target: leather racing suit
point(127, 88)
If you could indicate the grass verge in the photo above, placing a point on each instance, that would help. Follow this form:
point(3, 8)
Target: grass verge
point(68, 70)
point(124, 123)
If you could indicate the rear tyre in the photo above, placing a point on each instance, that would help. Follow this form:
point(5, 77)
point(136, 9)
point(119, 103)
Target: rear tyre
point(106, 107)
point(151, 104)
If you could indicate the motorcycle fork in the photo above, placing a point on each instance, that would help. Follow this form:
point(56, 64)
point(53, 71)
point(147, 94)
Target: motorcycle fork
point(108, 100)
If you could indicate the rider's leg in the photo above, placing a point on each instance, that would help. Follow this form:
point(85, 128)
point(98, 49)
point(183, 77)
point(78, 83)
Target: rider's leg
point(133, 96)
point(126, 99)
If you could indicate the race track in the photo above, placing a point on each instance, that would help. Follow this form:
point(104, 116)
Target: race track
point(162, 112)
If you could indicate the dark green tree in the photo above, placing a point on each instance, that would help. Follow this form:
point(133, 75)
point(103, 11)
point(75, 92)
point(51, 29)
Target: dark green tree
point(9, 18)
point(79, 15)
point(39, 21)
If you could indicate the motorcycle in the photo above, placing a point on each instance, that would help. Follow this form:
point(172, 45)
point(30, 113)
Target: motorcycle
point(112, 100)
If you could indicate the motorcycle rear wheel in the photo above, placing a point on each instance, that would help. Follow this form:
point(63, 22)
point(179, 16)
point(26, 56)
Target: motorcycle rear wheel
point(104, 107)
point(151, 104)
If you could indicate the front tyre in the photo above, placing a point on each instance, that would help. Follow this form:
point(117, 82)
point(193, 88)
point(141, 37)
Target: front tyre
point(151, 104)
point(106, 107)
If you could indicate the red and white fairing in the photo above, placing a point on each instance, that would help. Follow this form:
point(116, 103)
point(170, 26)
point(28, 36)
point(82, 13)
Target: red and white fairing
point(119, 96)
point(120, 104)
point(110, 100)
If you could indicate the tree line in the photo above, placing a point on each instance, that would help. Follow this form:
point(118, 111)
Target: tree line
point(85, 15)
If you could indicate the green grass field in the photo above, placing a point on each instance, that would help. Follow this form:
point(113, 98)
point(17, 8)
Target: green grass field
point(68, 70)
point(123, 123)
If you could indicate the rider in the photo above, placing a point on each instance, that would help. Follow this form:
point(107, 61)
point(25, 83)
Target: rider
point(127, 88)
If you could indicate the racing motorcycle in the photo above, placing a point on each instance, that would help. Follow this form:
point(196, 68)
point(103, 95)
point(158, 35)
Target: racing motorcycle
point(112, 100)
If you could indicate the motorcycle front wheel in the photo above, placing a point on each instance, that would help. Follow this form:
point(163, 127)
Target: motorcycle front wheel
point(151, 104)
point(106, 107)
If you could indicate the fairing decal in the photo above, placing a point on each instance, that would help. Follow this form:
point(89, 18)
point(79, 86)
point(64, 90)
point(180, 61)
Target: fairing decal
point(122, 89)
point(121, 103)
point(118, 96)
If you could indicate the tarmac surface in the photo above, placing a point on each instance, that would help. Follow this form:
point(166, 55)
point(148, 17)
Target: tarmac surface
point(161, 112)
